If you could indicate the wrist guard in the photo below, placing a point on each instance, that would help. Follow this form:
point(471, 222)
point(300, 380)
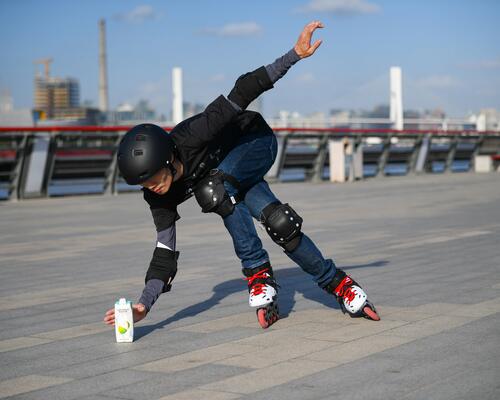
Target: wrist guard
point(163, 266)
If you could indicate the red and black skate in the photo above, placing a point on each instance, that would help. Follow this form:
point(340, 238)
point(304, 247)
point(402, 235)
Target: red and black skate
point(351, 297)
point(262, 290)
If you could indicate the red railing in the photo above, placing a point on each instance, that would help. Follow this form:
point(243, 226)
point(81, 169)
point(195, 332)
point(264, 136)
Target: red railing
point(361, 131)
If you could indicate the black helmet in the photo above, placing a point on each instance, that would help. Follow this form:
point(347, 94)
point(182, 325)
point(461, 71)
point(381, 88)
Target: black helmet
point(143, 151)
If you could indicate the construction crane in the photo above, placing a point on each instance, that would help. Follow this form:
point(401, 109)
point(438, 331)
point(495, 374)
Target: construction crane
point(46, 62)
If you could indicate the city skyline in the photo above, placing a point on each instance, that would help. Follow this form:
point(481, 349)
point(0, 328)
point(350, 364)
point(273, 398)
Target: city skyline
point(447, 51)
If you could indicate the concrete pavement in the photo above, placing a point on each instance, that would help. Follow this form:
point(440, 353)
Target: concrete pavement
point(426, 249)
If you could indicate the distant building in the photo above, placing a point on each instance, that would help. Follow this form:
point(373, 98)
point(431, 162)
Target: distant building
point(126, 114)
point(380, 111)
point(10, 116)
point(190, 109)
point(487, 120)
point(6, 101)
point(57, 100)
point(256, 105)
point(55, 95)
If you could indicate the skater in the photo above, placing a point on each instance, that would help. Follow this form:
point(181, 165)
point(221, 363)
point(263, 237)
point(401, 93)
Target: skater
point(221, 156)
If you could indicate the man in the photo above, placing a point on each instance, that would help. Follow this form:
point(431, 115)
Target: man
point(221, 156)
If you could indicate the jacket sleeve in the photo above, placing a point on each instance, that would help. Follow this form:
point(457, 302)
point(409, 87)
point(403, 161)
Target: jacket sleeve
point(250, 86)
point(164, 214)
point(205, 126)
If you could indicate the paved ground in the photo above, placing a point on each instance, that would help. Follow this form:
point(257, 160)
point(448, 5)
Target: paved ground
point(427, 249)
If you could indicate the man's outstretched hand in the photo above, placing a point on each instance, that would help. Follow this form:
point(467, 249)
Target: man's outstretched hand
point(138, 310)
point(303, 47)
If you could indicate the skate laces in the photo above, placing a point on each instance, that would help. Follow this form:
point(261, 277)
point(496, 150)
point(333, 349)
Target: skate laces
point(345, 291)
point(259, 287)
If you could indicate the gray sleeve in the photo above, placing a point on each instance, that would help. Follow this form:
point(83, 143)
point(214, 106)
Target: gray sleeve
point(167, 238)
point(236, 106)
point(276, 70)
point(281, 65)
point(151, 292)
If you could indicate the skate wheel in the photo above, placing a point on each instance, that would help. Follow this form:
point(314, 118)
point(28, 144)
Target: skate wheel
point(370, 313)
point(261, 316)
point(268, 315)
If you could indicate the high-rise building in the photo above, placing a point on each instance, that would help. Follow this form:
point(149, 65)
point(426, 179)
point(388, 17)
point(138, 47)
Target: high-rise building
point(53, 95)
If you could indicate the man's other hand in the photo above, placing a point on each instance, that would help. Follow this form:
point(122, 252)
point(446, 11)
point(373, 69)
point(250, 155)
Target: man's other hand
point(138, 310)
point(303, 47)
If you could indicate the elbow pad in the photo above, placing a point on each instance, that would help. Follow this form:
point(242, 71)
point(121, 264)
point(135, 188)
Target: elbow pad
point(163, 266)
point(250, 86)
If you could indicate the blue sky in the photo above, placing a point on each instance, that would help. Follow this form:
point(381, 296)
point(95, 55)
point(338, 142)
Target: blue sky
point(449, 50)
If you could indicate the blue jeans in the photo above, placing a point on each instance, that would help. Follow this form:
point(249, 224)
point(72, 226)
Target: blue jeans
point(248, 162)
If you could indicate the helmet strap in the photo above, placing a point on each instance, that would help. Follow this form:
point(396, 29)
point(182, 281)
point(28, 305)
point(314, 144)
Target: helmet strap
point(172, 169)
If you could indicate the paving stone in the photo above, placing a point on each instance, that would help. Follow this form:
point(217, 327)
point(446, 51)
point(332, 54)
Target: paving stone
point(196, 358)
point(175, 383)
point(220, 324)
point(21, 343)
point(429, 326)
point(74, 331)
point(197, 394)
point(268, 377)
point(356, 331)
point(284, 351)
point(356, 349)
point(76, 389)
point(24, 384)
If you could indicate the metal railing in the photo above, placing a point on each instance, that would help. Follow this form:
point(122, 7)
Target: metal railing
point(59, 160)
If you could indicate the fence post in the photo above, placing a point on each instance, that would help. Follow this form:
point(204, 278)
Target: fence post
point(451, 154)
point(356, 167)
point(274, 172)
point(422, 154)
point(14, 189)
point(37, 166)
point(414, 155)
point(319, 163)
point(336, 149)
point(112, 172)
point(384, 156)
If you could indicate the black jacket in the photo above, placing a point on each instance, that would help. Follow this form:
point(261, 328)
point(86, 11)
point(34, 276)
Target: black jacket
point(202, 142)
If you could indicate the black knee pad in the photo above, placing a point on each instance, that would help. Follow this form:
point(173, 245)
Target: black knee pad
point(283, 224)
point(163, 266)
point(212, 196)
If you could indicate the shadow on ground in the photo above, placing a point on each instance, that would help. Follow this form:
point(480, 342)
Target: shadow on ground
point(291, 281)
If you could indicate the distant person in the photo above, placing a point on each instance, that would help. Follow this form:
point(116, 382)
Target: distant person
point(221, 156)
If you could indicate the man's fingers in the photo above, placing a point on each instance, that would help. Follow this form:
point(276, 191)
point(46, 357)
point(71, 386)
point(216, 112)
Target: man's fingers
point(306, 35)
point(316, 44)
point(314, 25)
point(109, 317)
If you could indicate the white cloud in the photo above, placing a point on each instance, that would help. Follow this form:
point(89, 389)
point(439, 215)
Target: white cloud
point(236, 29)
point(156, 92)
point(306, 78)
point(340, 7)
point(483, 64)
point(437, 82)
point(217, 78)
point(139, 14)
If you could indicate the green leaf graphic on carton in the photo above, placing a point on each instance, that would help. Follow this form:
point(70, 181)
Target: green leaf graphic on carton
point(122, 329)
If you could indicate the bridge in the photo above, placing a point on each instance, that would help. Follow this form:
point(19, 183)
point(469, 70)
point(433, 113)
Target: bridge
point(424, 246)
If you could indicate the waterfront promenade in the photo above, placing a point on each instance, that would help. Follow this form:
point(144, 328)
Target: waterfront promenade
point(426, 249)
